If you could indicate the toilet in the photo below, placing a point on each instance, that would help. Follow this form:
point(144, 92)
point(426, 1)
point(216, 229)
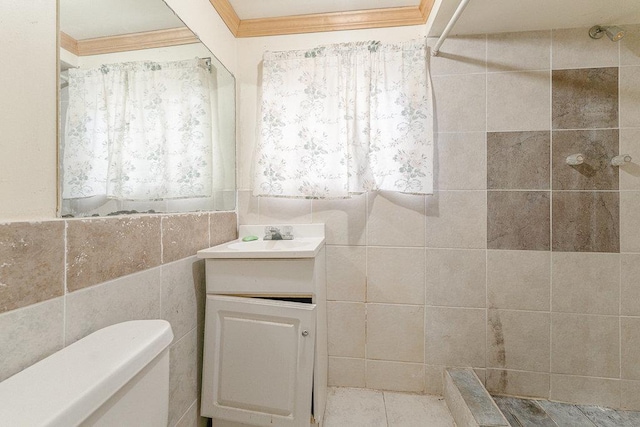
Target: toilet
point(117, 376)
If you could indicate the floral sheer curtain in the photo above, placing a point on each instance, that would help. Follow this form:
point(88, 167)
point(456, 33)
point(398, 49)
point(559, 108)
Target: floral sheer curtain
point(344, 119)
point(139, 131)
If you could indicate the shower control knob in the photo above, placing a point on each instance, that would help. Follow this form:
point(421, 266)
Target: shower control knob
point(305, 333)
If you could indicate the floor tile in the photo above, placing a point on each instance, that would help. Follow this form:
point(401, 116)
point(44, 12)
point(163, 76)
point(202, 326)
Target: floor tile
point(354, 407)
point(408, 410)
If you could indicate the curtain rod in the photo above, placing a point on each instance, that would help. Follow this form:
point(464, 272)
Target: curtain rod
point(449, 27)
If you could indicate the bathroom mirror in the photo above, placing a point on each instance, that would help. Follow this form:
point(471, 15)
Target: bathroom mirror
point(147, 113)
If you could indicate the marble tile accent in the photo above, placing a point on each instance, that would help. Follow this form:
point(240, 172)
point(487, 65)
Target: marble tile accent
point(457, 219)
point(183, 376)
point(395, 376)
point(456, 278)
point(630, 172)
point(184, 235)
point(518, 340)
point(461, 161)
point(346, 372)
point(630, 352)
point(411, 410)
point(354, 407)
point(518, 220)
point(132, 297)
point(460, 103)
point(518, 160)
point(183, 295)
point(32, 263)
point(346, 329)
point(92, 243)
point(586, 345)
point(585, 98)
point(345, 220)
point(395, 219)
point(587, 283)
point(518, 101)
point(630, 46)
point(573, 48)
point(525, 50)
point(29, 335)
point(463, 54)
point(585, 390)
point(519, 280)
point(630, 221)
point(586, 221)
point(518, 383)
point(394, 332)
point(455, 336)
point(346, 273)
point(395, 275)
point(598, 148)
point(223, 227)
point(629, 96)
point(629, 289)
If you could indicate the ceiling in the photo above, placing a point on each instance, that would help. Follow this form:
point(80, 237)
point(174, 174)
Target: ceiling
point(247, 18)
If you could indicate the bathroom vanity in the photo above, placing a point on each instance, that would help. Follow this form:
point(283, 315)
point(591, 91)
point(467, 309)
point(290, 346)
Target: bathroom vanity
point(265, 346)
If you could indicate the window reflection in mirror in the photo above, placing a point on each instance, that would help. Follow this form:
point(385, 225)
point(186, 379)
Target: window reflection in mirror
point(147, 113)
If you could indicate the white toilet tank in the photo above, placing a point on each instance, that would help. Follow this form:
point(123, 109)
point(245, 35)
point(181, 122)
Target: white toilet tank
point(117, 376)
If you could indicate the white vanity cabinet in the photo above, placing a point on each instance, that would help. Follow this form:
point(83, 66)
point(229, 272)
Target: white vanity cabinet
point(265, 350)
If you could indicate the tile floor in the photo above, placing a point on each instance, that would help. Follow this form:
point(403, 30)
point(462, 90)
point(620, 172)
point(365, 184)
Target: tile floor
point(353, 407)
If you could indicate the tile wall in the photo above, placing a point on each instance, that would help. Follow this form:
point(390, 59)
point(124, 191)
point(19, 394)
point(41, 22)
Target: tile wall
point(60, 280)
point(520, 266)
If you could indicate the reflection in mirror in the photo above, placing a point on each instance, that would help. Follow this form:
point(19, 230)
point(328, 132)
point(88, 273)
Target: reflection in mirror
point(147, 113)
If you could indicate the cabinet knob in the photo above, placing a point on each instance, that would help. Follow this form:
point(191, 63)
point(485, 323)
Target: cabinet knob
point(305, 333)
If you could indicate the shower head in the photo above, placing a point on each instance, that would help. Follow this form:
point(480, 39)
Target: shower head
point(614, 33)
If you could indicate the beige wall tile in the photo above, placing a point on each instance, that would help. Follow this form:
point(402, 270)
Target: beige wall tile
point(518, 383)
point(275, 210)
point(346, 329)
point(104, 249)
point(630, 395)
point(395, 376)
point(528, 50)
point(346, 372)
point(519, 280)
point(518, 101)
point(457, 219)
point(460, 103)
point(223, 227)
point(395, 275)
point(132, 297)
point(395, 219)
point(183, 295)
point(456, 278)
point(346, 273)
point(630, 173)
point(630, 221)
point(461, 55)
point(455, 336)
point(183, 376)
point(587, 283)
point(629, 96)
point(345, 220)
point(184, 235)
point(32, 263)
point(248, 208)
point(433, 378)
point(573, 48)
point(630, 46)
point(585, 390)
point(30, 334)
point(395, 332)
point(461, 161)
point(629, 289)
point(630, 348)
point(518, 340)
point(585, 345)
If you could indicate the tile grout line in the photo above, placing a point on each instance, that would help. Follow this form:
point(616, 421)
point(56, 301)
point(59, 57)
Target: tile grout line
point(384, 405)
point(64, 282)
point(549, 389)
point(486, 204)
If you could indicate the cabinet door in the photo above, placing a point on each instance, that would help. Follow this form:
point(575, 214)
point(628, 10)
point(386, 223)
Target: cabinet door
point(258, 361)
